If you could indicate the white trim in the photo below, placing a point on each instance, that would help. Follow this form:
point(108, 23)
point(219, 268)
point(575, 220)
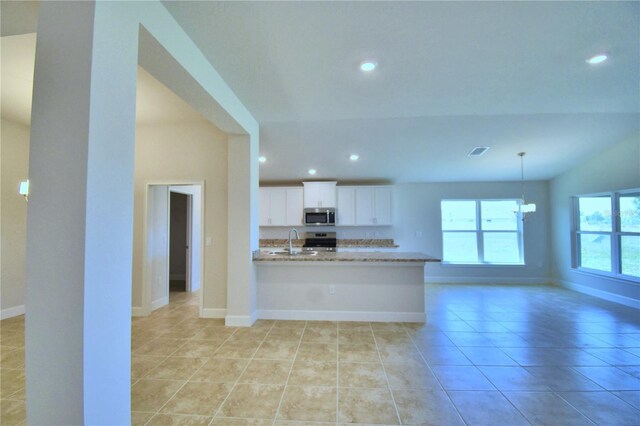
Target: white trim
point(138, 311)
point(342, 316)
point(12, 312)
point(612, 297)
point(486, 280)
point(239, 320)
point(214, 313)
point(177, 276)
point(159, 303)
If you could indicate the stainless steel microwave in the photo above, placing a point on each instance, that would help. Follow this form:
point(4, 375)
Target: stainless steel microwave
point(319, 217)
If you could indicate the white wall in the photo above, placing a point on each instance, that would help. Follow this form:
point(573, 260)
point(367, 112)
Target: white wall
point(416, 208)
point(14, 154)
point(615, 169)
point(188, 152)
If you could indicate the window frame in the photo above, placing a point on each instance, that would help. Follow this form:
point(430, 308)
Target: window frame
point(519, 231)
point(615, 236)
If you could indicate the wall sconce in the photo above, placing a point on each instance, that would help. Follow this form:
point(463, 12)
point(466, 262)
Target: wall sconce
point(24, 189)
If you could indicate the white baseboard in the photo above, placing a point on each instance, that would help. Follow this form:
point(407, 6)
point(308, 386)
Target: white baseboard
point(138, 311)
point(177, 277)
point(342, 316)
point(612, 297)
point(159, 303)
point(486, 280)
point(239, 320)
point(12, 312)
point(214, 313)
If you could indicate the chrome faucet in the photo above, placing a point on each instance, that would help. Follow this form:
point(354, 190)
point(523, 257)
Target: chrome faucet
point(297, 238)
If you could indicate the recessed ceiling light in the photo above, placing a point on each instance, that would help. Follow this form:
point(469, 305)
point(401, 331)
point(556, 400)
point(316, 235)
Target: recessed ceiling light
point(354, 157)
point(368, 66)
point(312, 171)
point(262, 159)
point(599, 58)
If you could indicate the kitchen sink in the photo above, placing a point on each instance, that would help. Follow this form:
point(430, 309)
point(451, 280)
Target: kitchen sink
point(295, 253)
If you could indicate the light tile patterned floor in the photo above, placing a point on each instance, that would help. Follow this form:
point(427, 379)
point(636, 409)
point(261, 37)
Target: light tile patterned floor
point(488, 355)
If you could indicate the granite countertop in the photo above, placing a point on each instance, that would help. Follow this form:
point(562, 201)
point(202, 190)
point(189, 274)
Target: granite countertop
point(268, 256)
point(341, 242)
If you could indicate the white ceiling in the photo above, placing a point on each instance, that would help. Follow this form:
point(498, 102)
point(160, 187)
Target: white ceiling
point(451, 76)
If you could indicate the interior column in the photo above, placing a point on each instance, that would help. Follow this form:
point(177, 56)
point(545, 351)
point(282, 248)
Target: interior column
point(80, 215)
point(243, 235)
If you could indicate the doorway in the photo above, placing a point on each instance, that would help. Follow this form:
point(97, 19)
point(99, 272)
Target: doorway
point(173, 243)
point(180, 206)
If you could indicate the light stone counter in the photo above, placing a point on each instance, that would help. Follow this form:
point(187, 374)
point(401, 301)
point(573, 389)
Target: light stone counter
point(271, 256)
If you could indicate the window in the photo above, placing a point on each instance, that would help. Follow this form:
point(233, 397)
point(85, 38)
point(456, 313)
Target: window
point(481, 232)
point(606, 235)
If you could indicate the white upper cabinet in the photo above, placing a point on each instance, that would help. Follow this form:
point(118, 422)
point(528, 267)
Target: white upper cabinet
point(373, 205)
point(382, 205)
point(319, 194)
point(355, 205)
point(346, 206)
point(294, 206)
point(280, 206)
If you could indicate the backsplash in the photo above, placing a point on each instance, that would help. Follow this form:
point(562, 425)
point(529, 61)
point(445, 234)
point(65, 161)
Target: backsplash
point(369, 232)
point(364, 242)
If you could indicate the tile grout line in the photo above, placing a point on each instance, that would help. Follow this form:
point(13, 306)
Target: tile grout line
point(386, 377)
point(284, 389)
point(438, 380)
point(158, 412)
point(575, 408)
point(240, 375)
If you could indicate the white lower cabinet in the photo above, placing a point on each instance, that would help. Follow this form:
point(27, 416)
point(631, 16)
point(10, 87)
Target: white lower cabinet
point(281, 206)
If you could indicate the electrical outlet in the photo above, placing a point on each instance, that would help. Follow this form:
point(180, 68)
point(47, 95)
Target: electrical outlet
point(332, 289)
point(208, 242)
point(419, 234)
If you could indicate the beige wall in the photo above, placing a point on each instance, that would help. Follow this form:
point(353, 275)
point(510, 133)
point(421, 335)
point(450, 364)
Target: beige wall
point(14, 154)
point(165, 153)
point(177, 153)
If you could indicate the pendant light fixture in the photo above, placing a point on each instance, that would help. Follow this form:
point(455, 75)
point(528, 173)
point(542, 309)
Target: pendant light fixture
point(524, 208)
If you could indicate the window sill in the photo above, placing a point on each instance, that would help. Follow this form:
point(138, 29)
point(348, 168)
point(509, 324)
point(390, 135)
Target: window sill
point(484, 265)
point(608, 275)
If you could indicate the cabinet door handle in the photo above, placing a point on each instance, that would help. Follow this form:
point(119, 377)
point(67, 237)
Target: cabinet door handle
point(375, 220)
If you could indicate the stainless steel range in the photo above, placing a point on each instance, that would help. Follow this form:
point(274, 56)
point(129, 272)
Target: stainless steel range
point(319, 241)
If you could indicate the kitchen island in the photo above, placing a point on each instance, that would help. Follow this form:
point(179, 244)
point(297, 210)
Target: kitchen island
point(341, 286)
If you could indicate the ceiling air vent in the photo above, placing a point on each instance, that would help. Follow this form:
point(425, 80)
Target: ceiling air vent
point(478, 151)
